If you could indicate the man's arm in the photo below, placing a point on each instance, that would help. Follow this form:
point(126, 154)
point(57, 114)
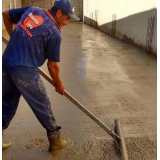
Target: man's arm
point(11, 17)
point(9, 24)
point(53, 69)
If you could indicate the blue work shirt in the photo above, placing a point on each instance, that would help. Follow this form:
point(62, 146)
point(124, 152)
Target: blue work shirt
point(36, 37)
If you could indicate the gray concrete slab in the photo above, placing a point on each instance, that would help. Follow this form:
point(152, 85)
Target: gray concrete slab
point(110, 78)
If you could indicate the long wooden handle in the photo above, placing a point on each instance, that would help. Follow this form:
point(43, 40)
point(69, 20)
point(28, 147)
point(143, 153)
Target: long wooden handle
point(74, 101)
point(81, 107)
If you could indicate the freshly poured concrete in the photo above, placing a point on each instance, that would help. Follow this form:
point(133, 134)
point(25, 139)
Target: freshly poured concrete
point(113, 80)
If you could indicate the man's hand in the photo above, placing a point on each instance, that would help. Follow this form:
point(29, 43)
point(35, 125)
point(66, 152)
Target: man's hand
point(54, 72)
point(60, 89)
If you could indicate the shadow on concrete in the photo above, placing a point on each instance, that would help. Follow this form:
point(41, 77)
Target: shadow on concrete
point(140, 29)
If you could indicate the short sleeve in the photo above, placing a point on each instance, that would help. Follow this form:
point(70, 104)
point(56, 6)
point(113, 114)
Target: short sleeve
point(16, 14)
point(53, 48)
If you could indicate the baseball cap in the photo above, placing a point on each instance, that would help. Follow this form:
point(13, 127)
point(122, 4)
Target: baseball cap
point(67, 7)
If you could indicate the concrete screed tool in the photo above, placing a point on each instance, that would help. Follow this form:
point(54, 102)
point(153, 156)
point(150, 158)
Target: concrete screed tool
point(118, 135)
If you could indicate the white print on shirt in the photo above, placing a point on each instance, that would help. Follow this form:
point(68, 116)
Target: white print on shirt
point(29, 25)
point(31, 21)
point(33, 18)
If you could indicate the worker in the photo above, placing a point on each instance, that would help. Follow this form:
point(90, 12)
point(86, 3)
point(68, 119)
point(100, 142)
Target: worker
point(35, 38)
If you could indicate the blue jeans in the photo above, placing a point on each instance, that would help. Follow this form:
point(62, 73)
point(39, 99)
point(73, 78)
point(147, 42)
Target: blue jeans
point(33, 91)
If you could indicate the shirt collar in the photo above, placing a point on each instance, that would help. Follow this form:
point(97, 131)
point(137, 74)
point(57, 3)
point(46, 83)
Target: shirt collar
point(49, 12)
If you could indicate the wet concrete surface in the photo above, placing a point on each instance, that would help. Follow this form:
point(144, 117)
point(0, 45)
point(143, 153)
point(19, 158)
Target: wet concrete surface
point(112, 79)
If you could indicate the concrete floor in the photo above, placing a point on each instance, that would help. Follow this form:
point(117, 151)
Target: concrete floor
point(112, 79)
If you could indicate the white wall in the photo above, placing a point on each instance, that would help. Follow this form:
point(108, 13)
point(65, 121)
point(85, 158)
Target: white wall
point(131, 18)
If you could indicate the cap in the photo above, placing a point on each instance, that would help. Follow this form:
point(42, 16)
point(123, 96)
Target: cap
point(67, 7)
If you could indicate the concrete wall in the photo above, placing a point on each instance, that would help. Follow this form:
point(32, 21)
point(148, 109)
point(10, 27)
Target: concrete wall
point(78, 4)
point(46, 4)
point(6, 4)
point(13, 3)
point(131, 19)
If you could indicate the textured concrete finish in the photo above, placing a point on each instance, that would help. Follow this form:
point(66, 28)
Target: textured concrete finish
point(113, 80)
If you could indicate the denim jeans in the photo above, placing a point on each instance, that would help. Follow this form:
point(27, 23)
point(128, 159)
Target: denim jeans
point(33, 91)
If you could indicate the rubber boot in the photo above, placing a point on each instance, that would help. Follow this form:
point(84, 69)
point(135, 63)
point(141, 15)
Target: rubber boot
point(6, 145)
point(56, 142)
